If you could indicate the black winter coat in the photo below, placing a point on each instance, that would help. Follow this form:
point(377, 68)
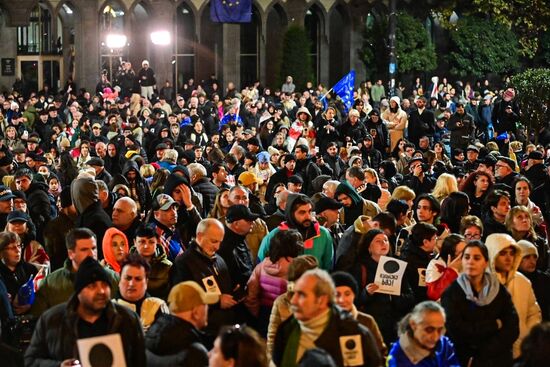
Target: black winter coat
point(95, 218)
point(194, 265)
point(55, 335)
point(209, 191)
point(341, 324)
point(172, 341)
point(474, 330)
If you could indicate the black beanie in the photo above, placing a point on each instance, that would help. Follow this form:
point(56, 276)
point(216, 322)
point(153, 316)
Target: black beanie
point(89, 272)
point(173, 181)
point(343, 279)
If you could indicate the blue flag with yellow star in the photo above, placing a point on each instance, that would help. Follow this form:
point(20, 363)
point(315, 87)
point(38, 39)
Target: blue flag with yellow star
point(344, 89)
point(231, 11)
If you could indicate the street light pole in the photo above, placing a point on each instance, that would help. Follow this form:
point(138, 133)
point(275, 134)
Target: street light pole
point(393, 57)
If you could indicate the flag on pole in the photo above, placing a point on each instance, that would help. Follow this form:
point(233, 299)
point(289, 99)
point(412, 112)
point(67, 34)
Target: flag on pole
point(344, 89)
point(231, 11)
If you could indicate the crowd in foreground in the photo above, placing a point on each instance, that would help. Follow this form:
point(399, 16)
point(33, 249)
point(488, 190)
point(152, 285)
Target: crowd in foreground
point(250, 228)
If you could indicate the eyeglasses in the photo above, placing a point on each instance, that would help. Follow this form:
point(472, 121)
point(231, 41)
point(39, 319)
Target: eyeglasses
point(470, 236)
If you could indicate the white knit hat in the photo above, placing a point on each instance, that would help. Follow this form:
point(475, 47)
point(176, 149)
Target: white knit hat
point(527, 248)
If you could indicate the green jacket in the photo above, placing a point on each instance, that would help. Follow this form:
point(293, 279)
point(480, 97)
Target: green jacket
point(58, 287)
point(321, 248)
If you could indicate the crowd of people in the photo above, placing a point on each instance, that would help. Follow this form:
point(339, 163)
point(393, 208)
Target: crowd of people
point(249, 227)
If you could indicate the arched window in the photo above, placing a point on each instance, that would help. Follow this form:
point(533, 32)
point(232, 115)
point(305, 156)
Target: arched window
point(38, 37)
point(312, 24)
point(113, 41)
point(250, 46)
point(184, 45)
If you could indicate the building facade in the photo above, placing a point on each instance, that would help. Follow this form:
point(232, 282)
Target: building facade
point(45, 42)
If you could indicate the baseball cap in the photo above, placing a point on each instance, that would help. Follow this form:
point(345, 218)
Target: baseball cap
point(163, 202)
point(187, 295)
point(238, 212)
point(5, 193)
point(17, 216)
point(248, 178)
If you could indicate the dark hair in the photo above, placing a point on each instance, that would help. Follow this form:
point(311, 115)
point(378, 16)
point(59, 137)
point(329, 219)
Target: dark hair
point(357, 173)
point(244, 345)
point(453, 208)
point(76, 234)
point(231, 159)
point(135, 259)
point(287, 243)
point(534, 348)
point(23, 172)
point(386, 221)
point(397, 207)
point(216, 167)
point(468, 184)
point(420, 232)
point(147, 231)
point(448, 248)
point(494, 197)
point(434, 204)
point(302, 147)
point(365, 241)
point(480, 245)
point(300, 200)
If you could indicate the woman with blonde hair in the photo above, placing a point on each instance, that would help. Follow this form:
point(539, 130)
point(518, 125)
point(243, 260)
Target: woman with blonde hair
point(221, 204)
point(444, 185)
point(371, 176)
point(519, 222)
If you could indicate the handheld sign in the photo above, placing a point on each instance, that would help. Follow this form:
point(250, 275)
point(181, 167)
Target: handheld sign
point(103, 350)
point(389, 275)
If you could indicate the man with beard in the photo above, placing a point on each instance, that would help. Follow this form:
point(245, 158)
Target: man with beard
point(89, 313)
point(354, 204)
point(421, 122)
point(317, 239)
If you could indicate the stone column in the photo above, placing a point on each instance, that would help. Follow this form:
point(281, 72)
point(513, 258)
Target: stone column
point(231, 54)
point(87, 44)
point(161, 56)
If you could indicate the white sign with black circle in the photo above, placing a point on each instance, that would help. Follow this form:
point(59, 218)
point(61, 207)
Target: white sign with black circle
point(352, 350)
point(389, 275)
point(103, 350)
point(211, 285)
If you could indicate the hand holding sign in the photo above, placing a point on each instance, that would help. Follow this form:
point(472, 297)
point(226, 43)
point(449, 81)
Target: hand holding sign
point(389, 275)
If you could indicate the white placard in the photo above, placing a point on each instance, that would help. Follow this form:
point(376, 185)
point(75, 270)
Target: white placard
point(352, 350)
point(102, 350)
point(389, 275)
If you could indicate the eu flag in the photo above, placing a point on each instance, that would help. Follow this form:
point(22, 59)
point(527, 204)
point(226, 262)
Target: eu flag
point(231, 11)
point(344, 89)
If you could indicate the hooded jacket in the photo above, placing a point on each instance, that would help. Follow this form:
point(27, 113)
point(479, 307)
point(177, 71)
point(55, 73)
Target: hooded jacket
point(108, 248)
point(142, 195)
point(317, 239)
point(85, 196)
point(359, 206)
point(517, 284)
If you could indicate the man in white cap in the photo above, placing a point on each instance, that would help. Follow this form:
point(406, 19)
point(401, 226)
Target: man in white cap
point(147, 81)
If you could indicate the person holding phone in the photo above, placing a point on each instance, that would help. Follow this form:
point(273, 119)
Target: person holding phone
point(445, 268)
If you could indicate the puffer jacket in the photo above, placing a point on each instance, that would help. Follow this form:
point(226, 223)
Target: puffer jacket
point(267, 282)
point(517, 285)
point(56, 333)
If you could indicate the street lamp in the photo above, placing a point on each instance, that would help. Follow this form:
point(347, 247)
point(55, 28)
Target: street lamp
point(161, 38)
point(116, 40)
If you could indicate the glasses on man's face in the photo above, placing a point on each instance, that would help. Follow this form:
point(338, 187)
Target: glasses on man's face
point(472, 236)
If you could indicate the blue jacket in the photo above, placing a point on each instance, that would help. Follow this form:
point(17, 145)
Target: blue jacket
point(444, 356)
